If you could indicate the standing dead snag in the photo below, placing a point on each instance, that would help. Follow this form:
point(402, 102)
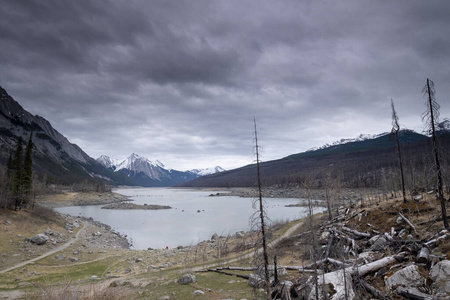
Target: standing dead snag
point(430, 116)
point(396, 130)
point(261, 214)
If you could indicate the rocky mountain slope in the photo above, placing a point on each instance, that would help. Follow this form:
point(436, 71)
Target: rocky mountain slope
point(53, 154)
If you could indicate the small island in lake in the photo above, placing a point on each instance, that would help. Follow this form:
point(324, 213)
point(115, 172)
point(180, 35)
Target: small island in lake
point(126, 205)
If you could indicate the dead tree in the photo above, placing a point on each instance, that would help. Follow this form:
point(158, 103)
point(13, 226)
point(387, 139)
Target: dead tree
point(261, 214)
point(430, 116)
point(396, 130)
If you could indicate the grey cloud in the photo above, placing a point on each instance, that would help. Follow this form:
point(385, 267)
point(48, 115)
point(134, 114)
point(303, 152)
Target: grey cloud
point(182, 80)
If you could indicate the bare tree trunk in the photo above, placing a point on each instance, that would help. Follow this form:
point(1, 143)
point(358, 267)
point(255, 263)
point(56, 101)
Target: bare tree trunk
point(433, 108)
point(261, 214)
point(396, 130)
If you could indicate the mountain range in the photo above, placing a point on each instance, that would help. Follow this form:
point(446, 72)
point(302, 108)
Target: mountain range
point(65, 163)
point(145, 172)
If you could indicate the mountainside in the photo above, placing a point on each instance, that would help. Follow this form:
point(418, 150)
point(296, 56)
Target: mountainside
point(363, 163)
point(144, 172)
point(53, 154)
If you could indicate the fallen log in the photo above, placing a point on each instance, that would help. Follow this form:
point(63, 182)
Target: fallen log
point(298, 268)
point(409, 222)
point(356, 232)
point(375, 265)
point(435, 241)
point(414, 294)
point(374, 291)
point(423, 256)
point(229, 274)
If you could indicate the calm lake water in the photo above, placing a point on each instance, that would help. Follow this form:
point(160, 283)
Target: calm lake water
point(183, 224)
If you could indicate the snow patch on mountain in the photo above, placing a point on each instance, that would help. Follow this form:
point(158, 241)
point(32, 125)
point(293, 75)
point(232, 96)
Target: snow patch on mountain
point(361, 137)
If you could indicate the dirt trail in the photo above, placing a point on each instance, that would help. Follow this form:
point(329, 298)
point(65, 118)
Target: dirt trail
point(53, 251)
point(251, 254)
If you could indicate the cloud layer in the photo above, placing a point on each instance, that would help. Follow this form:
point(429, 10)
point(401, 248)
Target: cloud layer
point(180, 81)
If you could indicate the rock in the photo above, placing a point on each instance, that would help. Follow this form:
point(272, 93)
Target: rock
point(324, 237)
point(138, 260)
point(127, 270)
point(407, 277)
point(94, 277)
point(440, 274)
point(60, 257)
point(198, 292)
point(239, 235)
point(214, 237)
point(8, 222)
point(337, 285)
point(399, 221)
point(378, 242)
point(73, 259)
point(187, 279)
point(39, 239)
point(256, 281)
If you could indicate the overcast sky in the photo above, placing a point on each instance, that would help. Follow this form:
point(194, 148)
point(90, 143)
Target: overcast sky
point(180, 81)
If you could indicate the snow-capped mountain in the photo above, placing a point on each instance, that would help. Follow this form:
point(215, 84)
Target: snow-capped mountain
point(207, 171)
point(145, 172)
point(360, 138)
point(444, 125)
point(108, 162)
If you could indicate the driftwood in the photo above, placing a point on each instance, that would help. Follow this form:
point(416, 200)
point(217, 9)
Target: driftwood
point(414, 294)
point(407, 221)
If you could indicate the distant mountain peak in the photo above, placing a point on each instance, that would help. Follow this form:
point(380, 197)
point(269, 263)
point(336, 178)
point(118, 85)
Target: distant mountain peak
point(207, 171)
point(359, 138)
point(444, 125)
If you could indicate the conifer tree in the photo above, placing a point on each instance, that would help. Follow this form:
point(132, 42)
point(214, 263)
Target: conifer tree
point(16, 181)
point(27, 168)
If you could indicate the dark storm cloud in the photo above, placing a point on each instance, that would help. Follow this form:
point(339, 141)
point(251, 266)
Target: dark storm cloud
point(180, 81)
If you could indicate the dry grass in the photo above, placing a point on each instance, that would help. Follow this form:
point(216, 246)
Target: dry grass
point(72, 291)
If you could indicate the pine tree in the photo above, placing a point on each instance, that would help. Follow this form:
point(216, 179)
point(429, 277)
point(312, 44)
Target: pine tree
point(27, 169)
point(16, 182)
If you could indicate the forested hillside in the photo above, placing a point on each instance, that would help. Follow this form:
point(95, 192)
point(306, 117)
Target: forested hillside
point(364, 164)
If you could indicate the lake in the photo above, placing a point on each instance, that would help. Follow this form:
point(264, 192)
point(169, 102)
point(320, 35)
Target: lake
point(194, 217)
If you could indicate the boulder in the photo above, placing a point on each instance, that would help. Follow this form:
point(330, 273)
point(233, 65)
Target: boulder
point(440, 274)
point(378, 242)
point(73, 259)
point(214, 237)
point(406, 277)
point(256, 281)
point(337, 286)
point(187, 279)
point(39, 239)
